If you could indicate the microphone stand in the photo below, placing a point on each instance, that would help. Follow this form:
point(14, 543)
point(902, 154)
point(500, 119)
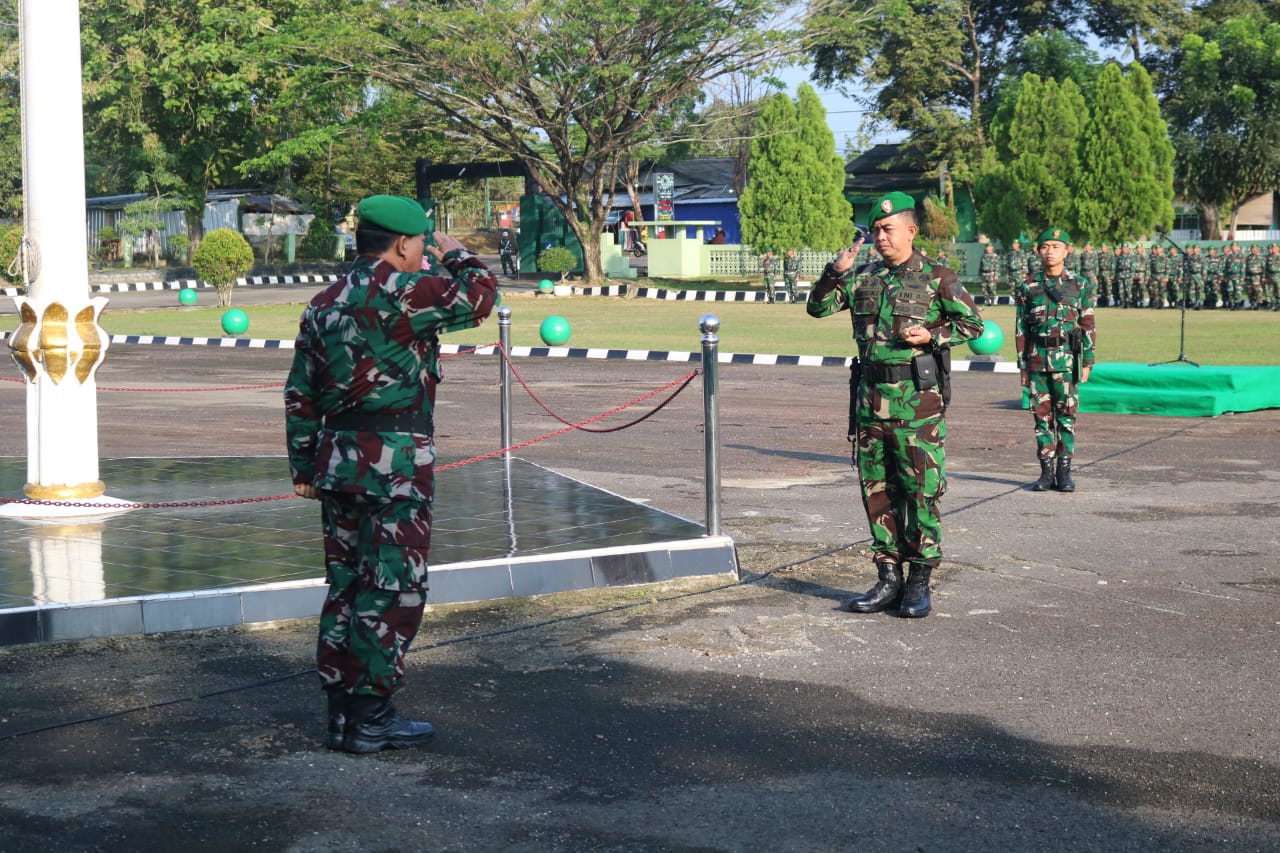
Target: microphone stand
point(1182, 330)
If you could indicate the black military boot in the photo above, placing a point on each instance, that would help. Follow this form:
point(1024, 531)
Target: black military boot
point(373, 724)
point(1065, 483)
point(916, 602)
point(1046, 481)
point(338, 709)
point(883, 596)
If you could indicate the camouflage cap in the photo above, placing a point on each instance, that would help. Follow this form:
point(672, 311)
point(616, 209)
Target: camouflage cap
point(889, 204)
point(394, 213)
point(1059, 234)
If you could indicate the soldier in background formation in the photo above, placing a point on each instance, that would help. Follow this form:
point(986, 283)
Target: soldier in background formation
point(989, 271)
point(768, 265)
point(1131, 277)
point(790, 273)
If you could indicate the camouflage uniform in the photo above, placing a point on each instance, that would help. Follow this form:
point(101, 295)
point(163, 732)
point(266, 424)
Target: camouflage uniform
point(989, 270)
point(1213, 278)
point(1273, 276)
point(1141, 272)
point(1233, 277)
point(358, 406)
point(1157, 277)
point(768, 266)
point(790, 273)
point(1193, 266)
point(1017, 265)
point(1255, 266)
point(901, 430)
point(1089, 265)
point(1046, 328)
point(1124, 278)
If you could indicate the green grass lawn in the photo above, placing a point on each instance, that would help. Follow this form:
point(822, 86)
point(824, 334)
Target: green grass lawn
point(1124, 335)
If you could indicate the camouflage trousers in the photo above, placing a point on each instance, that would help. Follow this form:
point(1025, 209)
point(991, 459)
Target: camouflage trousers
point(1054, 401)
point(989, 291)
point(376, 567)
point(789, 281)
point(901, 468)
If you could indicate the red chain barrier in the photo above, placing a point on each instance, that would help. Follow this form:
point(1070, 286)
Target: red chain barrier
point(686, 379)
point(683, 382)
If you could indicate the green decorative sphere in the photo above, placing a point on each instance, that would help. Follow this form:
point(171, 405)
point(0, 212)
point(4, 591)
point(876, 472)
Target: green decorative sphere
point(235, 322)
point(546, 286)
point(554, 331)
point(990, 341)
point(188, 296)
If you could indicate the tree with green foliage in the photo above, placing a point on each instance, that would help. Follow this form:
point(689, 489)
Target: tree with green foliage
point(1157, 172)
point(222, 257)
point(175, 92)
point(10, 114)
point(826, 217)
point(563, 87)
point(1225, 114)
point(1044, 139)
point(1117, 199)
point(998, 201)
point(931, 64)
point(769, 207)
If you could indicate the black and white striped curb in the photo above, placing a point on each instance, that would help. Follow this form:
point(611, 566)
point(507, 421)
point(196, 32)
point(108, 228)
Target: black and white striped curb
point(180, 283)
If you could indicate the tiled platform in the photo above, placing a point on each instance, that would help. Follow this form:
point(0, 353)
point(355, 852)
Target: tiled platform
point(502, 528)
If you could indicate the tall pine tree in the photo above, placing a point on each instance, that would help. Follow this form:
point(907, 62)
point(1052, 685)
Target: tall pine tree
point(1115, 157)
point(1157, 191)
point(826, 215)
point(1044, 138)
point(769, 207)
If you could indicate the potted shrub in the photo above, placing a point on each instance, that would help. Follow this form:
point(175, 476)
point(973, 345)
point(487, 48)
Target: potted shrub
point(222, 257)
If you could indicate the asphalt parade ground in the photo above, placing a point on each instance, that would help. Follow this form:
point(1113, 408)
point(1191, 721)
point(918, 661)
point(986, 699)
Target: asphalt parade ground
point(1099, 672)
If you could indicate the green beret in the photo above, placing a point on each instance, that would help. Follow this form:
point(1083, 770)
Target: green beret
point(888, 205)
point(393, 213)
point(1059, 234)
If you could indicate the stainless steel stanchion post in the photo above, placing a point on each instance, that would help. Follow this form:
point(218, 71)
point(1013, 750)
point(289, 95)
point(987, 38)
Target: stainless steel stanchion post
point(504, 375)
point(710, 324)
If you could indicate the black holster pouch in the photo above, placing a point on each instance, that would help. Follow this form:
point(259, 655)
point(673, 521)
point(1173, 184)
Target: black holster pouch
point(855, 389)
point(933, 370)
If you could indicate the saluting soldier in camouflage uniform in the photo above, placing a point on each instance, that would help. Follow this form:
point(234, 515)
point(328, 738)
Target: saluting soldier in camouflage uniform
point(1255, 266)
point(1233, 275)
point(907, 312)
point(989, 271)
point(790, 273)
point(768, 268)
point(1273, 276)
point(358, 419)
point(1054, 320)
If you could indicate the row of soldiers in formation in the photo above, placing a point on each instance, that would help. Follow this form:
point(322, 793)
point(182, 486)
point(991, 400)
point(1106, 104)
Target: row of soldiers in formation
point(1134, 277)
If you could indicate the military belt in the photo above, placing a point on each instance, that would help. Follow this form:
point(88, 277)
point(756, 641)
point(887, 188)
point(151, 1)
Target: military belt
point(1052, 340)
point(876, 374)
point(415, 422)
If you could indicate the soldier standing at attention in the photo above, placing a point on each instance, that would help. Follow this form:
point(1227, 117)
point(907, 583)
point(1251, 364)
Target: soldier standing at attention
point(1017, 263)
point(1213, 278)
point(1273, 276)
point(907, 312)
point(1124, 277)
point(790, 273)
point(358, 419)
point(1193, 267)
point(1054, 319)
point(1255, 266)
point(989, 271)
point(1089, 265)
point(1233, 275)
